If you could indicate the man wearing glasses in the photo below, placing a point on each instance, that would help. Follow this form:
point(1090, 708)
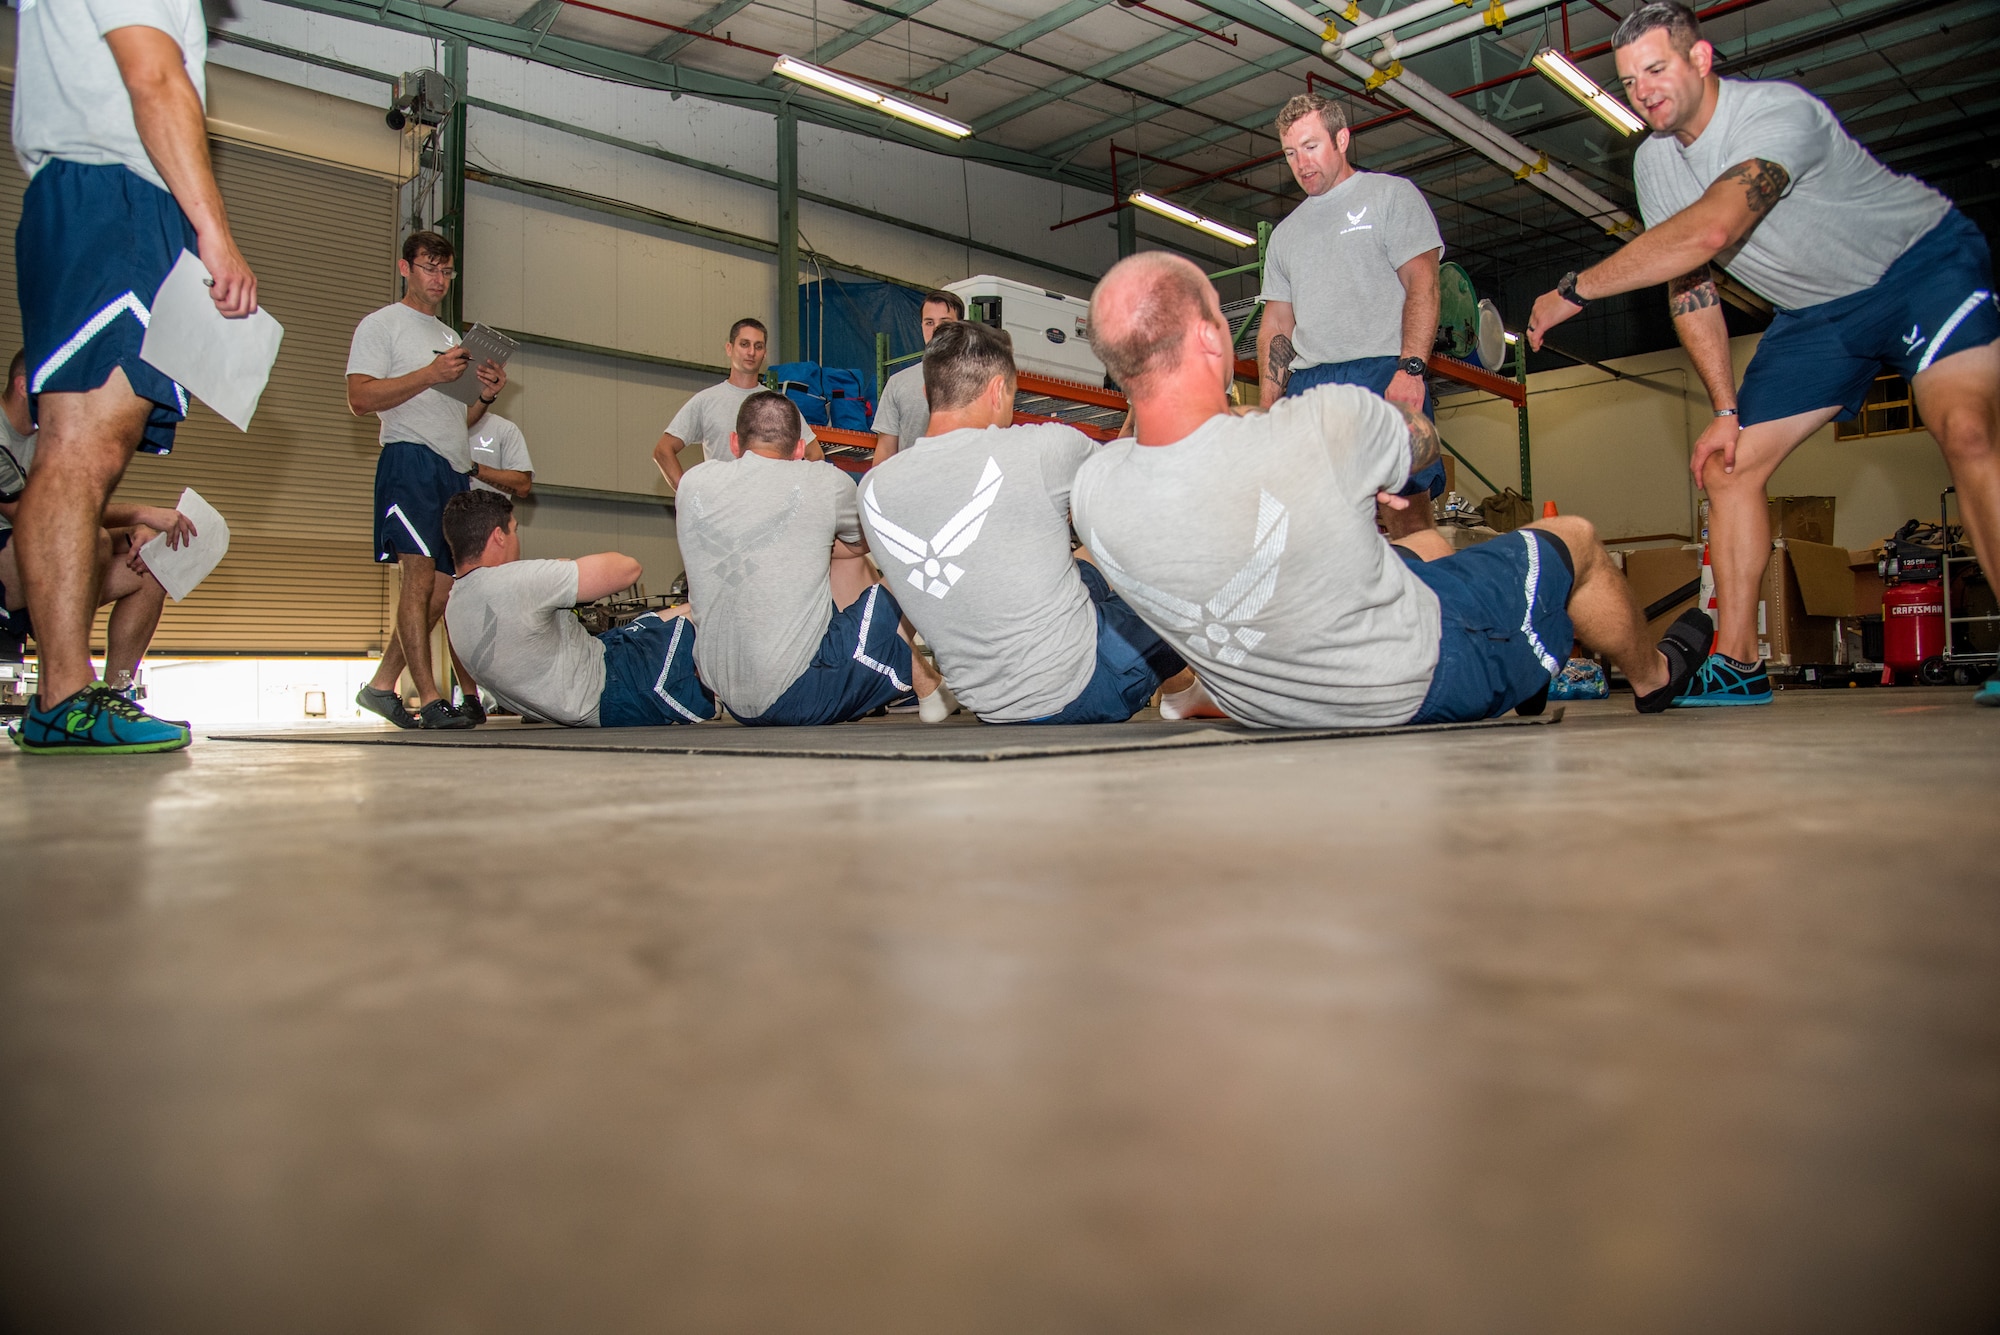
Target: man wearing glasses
point(400, 355)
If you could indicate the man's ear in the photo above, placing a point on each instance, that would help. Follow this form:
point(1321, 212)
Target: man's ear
point(1342, 138)
point(1702, 56)
point(735, 445)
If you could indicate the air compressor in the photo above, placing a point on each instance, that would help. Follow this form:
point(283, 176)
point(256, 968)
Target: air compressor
point(1912, 607)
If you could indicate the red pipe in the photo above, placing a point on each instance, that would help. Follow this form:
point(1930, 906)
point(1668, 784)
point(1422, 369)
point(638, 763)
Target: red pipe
point(1174, 18)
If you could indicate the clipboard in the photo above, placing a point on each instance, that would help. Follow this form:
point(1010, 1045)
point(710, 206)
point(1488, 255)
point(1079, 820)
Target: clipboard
point(484, 345)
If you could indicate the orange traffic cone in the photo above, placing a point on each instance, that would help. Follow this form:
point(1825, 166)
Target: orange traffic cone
point(1548, 509)
point(1707, 596)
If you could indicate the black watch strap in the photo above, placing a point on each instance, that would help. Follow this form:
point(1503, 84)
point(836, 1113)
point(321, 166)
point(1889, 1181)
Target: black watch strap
point(1566, 289)
point(1413, 366)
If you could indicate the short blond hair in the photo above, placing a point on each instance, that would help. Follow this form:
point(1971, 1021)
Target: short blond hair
point(1167, 296)
point(1331, 114)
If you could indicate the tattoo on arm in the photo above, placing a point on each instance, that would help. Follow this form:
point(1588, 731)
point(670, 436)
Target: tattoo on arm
point(1692, 292)
point(1425, 443)
point(1764, 183)
point(1278, 362)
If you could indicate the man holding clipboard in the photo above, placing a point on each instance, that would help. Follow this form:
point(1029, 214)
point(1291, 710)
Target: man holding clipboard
point(398, 366)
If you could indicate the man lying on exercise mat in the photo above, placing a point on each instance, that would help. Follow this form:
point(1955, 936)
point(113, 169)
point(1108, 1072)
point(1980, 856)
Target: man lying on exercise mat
point(511, 622)
point(1249, 543)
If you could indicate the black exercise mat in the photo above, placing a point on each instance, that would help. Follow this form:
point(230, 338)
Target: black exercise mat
point(899, 737)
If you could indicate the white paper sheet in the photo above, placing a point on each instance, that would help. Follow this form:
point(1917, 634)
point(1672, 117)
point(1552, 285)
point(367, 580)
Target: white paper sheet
point(224, 363)
point(179, 571)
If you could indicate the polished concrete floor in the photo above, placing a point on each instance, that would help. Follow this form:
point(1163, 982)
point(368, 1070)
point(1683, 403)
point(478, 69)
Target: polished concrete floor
point(1677, 1024)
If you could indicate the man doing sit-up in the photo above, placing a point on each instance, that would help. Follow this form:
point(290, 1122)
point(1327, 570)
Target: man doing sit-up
point(970, 524)
point(794, 630)
point(1250, 543)
point(511, 622)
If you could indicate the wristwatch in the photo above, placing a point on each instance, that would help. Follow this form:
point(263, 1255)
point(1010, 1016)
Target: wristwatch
point(1415, 366)
point(1566, 289)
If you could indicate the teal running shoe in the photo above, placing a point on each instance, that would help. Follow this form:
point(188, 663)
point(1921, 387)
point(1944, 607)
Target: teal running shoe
point(1989, 692)
point(1723, 681)
point(96, 721)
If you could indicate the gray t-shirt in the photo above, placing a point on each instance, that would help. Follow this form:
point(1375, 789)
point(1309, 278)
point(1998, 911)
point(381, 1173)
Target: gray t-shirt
point(905, 410)
point(22, 448)
point(513, 626)
point(757, 534)
point(1334, 258)
point(498, 443)
point(395, 341)
point(708, 418)
point(971, 530)
point(69, 101)
point(1843, 222)
point(1250, 546)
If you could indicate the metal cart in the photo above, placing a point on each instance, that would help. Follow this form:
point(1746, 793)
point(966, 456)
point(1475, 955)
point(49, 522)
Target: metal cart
point(1962, 666)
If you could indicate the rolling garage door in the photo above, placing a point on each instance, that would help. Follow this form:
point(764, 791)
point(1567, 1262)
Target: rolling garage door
point(298, 489)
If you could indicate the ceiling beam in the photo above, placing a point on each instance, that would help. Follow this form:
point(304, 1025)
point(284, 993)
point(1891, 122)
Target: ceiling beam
point(868, 27)
point(1277, 60)
point(633, 68)
point(704, 22)
point(1059, 17)
point(1103, 69)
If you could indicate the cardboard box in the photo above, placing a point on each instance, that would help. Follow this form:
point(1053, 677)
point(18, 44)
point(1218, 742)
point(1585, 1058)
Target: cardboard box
point(1657, 572)
point(1807, 518)
point(1809, 589)
point(1869, 586)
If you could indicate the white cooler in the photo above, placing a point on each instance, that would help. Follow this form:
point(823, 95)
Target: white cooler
point(1050, 330)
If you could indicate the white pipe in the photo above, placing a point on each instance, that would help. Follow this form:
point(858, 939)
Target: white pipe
point(1408, 14)
point(1305, 18)
point(1450, 32)
point(1438, 107)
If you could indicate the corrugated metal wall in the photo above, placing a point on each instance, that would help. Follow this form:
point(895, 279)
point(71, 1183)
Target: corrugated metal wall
point(298, 488)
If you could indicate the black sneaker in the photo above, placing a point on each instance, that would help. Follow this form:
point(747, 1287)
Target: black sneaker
point(473, 708)
point(386, 703)
point(438, 715)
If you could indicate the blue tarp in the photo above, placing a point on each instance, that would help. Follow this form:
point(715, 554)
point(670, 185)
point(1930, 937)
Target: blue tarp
point(838, 319)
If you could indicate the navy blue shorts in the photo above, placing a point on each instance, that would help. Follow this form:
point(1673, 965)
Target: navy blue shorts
point(92, 248)
point(649, 675)
point(1937, 299)
point(1374, 373)
point(861, 665)
point(1131, 660)
point(412, 483)
point(1503, 624)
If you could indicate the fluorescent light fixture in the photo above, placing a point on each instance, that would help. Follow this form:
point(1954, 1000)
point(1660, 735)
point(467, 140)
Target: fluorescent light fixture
point(791, 67)
point(1189, 218)
point(1584, 89)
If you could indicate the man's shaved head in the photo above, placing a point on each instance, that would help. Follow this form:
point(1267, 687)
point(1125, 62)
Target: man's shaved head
point(1142, 313)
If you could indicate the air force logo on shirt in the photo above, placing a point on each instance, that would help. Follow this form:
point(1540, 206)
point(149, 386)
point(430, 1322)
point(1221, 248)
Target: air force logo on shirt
point(1239, 600)
point(1354, 223)
point(932, 568)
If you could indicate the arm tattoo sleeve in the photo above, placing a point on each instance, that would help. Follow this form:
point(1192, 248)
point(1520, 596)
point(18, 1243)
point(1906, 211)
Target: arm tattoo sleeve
point(1424, 439)
point(1692, 292)
point(1764, 183)
point(1278, 363)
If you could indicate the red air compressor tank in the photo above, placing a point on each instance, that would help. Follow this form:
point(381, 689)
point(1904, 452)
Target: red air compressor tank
point(1912, 627)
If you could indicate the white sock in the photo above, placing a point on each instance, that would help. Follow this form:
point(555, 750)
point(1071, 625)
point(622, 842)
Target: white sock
point(1183, 704)
point(938, 706)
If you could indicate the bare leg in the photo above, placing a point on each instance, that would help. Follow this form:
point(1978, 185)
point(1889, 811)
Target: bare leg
point(440, 596)
point(1601, 606)
point(86, 441)
point(1959, 398)
point(1739, 525)
point(136, 603)
point(1414, 527)
point(849, 574)
point(1426, 544)
point(389, 671)
point(413, 627)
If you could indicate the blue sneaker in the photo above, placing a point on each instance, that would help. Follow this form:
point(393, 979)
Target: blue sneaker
point(1989, 692)
point(1724, 681)
point(96, 721)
